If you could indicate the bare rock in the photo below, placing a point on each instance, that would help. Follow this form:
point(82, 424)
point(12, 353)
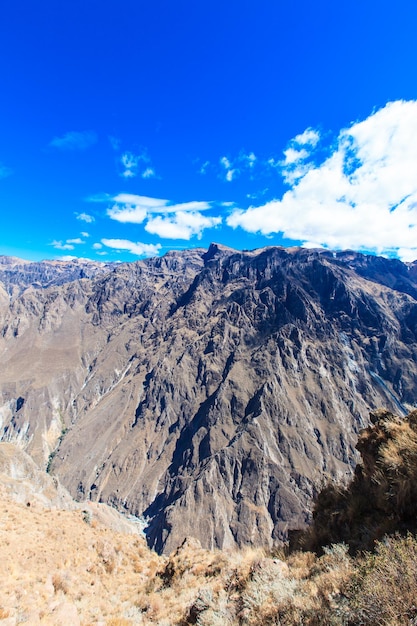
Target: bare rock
point(208, 391)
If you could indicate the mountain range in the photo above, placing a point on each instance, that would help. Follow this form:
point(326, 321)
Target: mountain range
point(211, 392)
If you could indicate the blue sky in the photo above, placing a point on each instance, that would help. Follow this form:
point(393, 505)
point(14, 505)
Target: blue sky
point(132, 128)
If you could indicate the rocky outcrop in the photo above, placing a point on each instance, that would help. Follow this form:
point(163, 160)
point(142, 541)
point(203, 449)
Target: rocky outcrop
point(209, 391)
point(22, 481)
point(381, 499)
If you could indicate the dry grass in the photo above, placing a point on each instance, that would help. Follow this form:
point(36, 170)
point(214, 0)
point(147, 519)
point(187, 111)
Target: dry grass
point(383, 589)
point(93, 576)
point(57, 569)
point(52, 559)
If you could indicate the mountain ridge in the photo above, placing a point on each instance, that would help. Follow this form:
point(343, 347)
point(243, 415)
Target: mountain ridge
point(209, 391)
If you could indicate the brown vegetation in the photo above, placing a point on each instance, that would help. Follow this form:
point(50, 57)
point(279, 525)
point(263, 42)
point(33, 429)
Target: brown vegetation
point(58, 569)
point(382, 497)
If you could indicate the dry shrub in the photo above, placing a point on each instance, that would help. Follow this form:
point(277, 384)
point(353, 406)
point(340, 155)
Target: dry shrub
point(301, 563)
point(267, 597)
point(60, 583)
point(192, 561)
point(382, 497)
point(108, 555)
point(209, 609)
point(137, 564)
point(307, 590)
point(383, 590)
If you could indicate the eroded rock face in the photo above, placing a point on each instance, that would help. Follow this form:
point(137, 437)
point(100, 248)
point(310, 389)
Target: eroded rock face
point(210, 391)
point(16, 274)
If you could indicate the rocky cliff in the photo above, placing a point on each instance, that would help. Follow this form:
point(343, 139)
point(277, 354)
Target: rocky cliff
point(209, 391)
point(16, 274)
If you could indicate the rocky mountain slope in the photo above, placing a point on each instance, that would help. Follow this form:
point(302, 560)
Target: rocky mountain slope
point(209, 391)
point(16, 274)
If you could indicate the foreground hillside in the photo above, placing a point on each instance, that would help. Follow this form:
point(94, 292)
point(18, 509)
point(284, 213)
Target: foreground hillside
point(71, 567)
point(208, 391)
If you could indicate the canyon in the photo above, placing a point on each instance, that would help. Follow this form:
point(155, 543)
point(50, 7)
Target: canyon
point(210, 392)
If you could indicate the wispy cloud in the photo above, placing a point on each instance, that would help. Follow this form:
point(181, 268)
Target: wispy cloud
point(62, 245)
point(74, 140)
point(5, 171)
point(137, 248)
point(160, 216)
point(68, 244)
point(363, 195)
point(232, 168)
point(85, 217)
point(295, 164)
point(149, 173)
point(130, 163)
point(130, 208)
point(230, 172)
point(203, 168)
point(114, 142)
point(136, 165)
point(77, 241)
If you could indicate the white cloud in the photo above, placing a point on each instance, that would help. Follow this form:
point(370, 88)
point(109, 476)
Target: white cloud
point(232, 168)
point(149, 173)
point(188, 206)
point(97, 246)
point(74, 140)
point(60, 245)
point(137, 248)
point(131, 198)
point(84, 234)
point(5, 171)
point(293, 156)
point(132, 209)
point(230, 171)
point(309, 137)
point(160, 216)
point(68, 244)
point(130, 163)
point(85, 217)
point(249, 159)
point(183, 225)
point(135, 165)
point(363, 196)
point(294, 165)
point(204, 167)
point(76, 241)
